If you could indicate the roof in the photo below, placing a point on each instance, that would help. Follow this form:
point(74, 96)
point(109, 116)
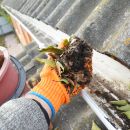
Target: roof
point(104, 24)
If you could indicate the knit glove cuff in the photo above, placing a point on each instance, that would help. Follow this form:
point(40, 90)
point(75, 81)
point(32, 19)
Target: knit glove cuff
point(51, 88)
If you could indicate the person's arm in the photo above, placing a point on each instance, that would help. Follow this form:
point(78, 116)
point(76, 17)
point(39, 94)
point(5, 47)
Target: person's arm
point(23, 114)
point(35, 110)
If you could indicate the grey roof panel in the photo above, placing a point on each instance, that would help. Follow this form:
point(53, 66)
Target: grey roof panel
point(75, 16)
point(52, 4)
point(24, 5)
point(34, 7)
point(39, 8)
point(29, 4)
point(16, 4)
point(119, 44)
point(59, 12)
point(102, 22)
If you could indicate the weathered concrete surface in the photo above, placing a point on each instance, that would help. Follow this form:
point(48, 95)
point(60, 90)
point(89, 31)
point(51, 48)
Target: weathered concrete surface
point(51, 5)
point(76, 14)
point(119, 43)
point(59, 11)
point(39, 8)
point(15, 3)
point(102, 21)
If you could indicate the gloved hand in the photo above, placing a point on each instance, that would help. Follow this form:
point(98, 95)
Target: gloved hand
point(51, 90)
point(51, 87)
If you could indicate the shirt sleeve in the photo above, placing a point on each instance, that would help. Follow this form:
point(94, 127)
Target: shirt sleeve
point(22, 114)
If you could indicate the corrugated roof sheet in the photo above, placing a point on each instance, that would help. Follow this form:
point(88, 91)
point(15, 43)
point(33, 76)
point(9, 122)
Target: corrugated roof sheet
point(104, 24)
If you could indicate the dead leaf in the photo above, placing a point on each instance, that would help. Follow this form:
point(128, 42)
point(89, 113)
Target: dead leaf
point(49, 62)
point(64, 81)
point(52, 50)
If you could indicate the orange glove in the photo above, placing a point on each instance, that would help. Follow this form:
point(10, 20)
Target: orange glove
point(51, 87)
point(51, 90)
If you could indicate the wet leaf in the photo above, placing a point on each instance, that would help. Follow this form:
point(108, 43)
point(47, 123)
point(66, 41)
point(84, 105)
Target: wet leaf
point(124, 108)
point(71, 88)
point(127, 114)
point(49, 62)
point(58, 64)
point(71, 82)
point(94, 126)
point(64, 81)
point(52, 50)
point(119, 102)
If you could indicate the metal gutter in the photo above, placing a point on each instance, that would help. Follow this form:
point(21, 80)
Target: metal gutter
point(14, 17)
point(47, 29)
point(98, 111)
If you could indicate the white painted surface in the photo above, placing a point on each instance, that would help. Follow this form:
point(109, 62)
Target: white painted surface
point(110, 69)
